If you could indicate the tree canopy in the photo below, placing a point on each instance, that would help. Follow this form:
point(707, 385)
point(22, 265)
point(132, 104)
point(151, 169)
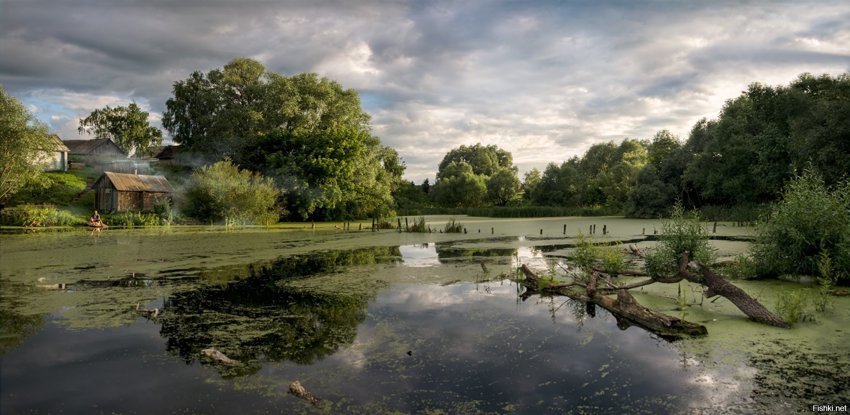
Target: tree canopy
point(472, 176)
point(23, 142)
point(308, 133)
point(127, 126)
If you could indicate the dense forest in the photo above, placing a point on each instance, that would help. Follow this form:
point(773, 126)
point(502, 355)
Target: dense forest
point(760, 140)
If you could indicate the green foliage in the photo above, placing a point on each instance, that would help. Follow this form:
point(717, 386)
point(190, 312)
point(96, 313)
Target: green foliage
point(585, 253)
point(792, 306)
point(127, 126)
point(223, 192)
point(224, 112)
point(810, 223)
point(38, 216)
point(130, 219)
point(743, 268)
point(483, 160)
point(459, 186)
point(24, 143)
point(52, 187)
point(453, 226)
point(474, 176)
point(503, 186)
point(419, 225)
point(612, 259)
point(681, 233)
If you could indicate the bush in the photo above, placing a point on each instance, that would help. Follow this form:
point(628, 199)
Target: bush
point(791, 306)
point(683, 232)
point(453, 227)
point(56, 188)
point(810, 221)
point(223, 192)
point(38, 216)
point(419, 225)
point(132, 219)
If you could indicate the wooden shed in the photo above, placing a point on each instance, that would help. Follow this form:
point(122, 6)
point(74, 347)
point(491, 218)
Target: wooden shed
point(116, 192)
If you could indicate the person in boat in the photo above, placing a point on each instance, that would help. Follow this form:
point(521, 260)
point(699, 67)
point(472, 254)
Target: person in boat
point(94, 220)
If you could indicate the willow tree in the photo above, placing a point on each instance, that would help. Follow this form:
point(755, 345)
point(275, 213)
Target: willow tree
point(23, 139)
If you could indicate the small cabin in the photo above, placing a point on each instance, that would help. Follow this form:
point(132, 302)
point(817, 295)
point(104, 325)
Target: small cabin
point(117, 192)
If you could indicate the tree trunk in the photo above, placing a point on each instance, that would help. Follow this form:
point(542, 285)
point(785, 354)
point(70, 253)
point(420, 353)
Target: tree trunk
point(625, 308)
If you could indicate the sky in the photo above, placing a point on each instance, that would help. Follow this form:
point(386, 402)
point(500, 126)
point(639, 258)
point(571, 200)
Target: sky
point(543, 80)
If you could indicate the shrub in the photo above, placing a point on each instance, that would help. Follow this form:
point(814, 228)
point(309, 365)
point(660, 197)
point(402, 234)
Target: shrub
point(132, 219)
point(791, 306)
point(682, 232)
point(809, 221)
point(419, 225)
point(223, 192)
point(38, 216)
point(57, 188)
point(453, 227)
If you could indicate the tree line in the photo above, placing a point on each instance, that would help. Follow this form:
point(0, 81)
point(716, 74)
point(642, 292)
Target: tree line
point(760, 140)
point(312, 140)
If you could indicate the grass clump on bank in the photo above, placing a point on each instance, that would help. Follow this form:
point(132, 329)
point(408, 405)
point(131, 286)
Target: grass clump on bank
point(453, 226)
point(38, 216)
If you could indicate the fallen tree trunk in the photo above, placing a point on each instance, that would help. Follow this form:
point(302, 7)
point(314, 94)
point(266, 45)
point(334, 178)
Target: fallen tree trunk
point(718, 286)
point(624, 308)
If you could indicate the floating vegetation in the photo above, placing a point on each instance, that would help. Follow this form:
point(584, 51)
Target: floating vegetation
point(453, 226)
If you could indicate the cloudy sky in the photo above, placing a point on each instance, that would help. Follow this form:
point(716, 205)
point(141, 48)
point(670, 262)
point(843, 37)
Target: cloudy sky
point(543, 80)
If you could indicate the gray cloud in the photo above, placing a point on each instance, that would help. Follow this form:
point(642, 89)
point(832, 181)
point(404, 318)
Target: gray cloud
point(544, 81)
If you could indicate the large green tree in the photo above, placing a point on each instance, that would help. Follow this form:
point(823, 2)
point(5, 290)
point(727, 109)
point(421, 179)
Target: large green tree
point(474, 175)
point(459, 186)
point(225, 112)
point(23, 142)
point(127, 126)
point(308, 133)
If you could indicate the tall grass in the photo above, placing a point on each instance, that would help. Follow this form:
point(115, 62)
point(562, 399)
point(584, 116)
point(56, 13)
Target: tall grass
point(38, 216)
point(453, 226)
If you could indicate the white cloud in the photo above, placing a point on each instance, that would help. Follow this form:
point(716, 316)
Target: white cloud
point(544, 81)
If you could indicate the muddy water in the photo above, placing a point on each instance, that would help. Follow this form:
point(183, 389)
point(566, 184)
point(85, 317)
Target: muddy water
point(377, 323)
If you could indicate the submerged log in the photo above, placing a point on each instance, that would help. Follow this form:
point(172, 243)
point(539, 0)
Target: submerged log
point(219, 357)
point(625, 308)
point(300, 391)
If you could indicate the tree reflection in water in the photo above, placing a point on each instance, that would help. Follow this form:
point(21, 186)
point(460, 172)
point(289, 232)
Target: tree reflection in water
point(260, 318)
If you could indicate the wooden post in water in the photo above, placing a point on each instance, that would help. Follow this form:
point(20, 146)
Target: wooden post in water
point(604, 229)
point(492, 231)
point(406, 225)
point(590, 230)
point(359, 226)
point(594, 229)
point(399, 225)
point(541, 232)
point(715, 227)
point(565, 229)
point(643, 231)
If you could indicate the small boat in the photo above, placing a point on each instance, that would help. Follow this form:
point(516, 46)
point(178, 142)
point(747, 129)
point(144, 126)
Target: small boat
point(97, 225)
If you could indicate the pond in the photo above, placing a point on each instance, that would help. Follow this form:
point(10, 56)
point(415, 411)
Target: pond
point(375, 323)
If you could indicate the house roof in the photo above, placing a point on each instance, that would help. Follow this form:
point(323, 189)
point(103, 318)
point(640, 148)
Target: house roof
point(58, 144)
point(87, 147)
point(137, 182)
point(167, 152)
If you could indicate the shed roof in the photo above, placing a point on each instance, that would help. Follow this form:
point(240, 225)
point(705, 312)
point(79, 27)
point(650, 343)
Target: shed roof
point(58, 144)
point(167, 152)
point(87, 147)
point(137, 182)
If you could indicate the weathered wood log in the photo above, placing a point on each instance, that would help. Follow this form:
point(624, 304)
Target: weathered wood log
point(625, 308)
point(296, 389)
point(718, 286)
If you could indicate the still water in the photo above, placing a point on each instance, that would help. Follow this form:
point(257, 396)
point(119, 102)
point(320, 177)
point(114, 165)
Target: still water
point(367, 323)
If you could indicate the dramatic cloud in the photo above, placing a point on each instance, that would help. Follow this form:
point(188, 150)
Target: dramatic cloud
point(542, 80)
